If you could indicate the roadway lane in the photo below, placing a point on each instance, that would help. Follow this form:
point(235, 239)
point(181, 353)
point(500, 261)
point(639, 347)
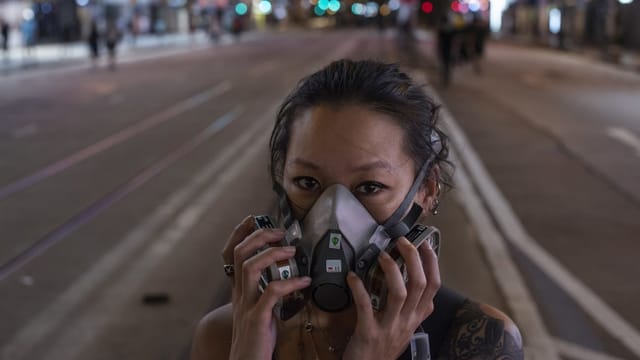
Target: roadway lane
point(557, 133)
point(211, 133)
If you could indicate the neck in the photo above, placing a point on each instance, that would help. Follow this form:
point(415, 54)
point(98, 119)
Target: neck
point(315, 334)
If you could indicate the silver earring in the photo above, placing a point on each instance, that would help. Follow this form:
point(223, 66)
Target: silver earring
point(434, 208)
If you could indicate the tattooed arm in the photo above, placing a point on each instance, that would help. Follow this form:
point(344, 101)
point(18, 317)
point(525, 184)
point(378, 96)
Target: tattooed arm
point(481, 332)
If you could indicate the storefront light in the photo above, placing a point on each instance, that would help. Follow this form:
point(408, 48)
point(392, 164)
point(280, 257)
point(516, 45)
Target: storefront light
point(555, 21)
point(265, 7)
point(27, 14)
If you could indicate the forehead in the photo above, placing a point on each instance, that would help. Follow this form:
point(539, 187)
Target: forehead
point(346, 134)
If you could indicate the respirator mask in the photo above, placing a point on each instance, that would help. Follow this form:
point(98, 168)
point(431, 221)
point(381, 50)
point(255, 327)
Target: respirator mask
point(338, 235)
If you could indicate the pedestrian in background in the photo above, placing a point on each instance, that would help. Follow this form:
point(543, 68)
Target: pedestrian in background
point(112, 37)
point(94, 43)
point(480, 30)
point(4, 34)
point(445, 44)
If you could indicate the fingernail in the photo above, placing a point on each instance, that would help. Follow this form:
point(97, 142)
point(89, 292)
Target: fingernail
point(306, 280)
point(290, 249)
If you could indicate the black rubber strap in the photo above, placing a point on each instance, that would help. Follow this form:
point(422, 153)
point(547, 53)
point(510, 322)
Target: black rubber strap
point(446, 305)
point(397, 215)
point(404, 226)
point(283, 203)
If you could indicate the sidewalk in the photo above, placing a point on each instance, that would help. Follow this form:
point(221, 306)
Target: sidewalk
point(615, 55)
point(44, 56)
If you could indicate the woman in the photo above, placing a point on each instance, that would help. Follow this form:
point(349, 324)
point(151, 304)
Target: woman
point(366, 127)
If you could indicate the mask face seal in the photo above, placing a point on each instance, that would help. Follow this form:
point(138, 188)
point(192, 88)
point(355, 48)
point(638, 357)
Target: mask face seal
point(335, 231)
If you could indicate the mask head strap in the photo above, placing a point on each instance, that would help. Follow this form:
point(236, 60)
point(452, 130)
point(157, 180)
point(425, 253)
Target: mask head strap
point(396, 225)
point(283, 204)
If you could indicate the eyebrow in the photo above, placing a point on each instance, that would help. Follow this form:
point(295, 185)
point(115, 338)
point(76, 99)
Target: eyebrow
point(378, 164)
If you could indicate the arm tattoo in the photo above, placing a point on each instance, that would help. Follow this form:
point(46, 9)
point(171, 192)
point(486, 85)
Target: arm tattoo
point(476, 336)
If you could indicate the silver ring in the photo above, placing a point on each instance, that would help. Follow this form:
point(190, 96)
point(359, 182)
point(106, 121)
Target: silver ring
point(228, 269)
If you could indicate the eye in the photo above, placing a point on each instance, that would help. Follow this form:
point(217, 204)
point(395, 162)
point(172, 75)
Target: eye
point(307, 183)
point(369, 188)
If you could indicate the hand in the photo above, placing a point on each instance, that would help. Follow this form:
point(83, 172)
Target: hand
point(254, 325)
point(386, 334)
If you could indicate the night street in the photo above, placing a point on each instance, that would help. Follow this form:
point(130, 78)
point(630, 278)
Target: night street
point(119, 188)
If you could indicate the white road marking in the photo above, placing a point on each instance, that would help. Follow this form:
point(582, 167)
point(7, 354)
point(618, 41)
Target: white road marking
point(263, 68)
point(578, 352)
point(115, 139)
point(626, 137)
point(512, 227)
point(538, 341)
point(25, 131)
point(71, 343)
point(50, 318)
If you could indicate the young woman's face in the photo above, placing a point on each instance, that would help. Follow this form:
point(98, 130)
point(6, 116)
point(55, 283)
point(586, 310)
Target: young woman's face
point(352, 146)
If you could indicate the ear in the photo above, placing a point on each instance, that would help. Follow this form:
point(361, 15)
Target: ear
point(429, 192)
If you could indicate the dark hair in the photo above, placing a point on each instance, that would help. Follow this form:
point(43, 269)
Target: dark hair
point(378, 86)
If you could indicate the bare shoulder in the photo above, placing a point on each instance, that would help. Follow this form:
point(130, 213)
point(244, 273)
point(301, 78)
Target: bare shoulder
point(479, 332)
point(213, 336)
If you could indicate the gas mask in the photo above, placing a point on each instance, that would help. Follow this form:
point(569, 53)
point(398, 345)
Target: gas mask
point(338, 235)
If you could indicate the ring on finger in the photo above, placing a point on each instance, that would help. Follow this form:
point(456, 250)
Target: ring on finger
point(229, 269)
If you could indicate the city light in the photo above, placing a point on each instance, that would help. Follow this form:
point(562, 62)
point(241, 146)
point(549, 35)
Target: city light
point(334, 5)
point(372, 9)
point(358, 9)
point(241, 8)
point(82, 3)
point(495, 16)
point(384, 10)
point(323, 5)
point(265, 7)
point(625, 2)
point(46, 7)
point(318, 10)
point(555, 21)
point(27, 14)
point(427, 7)
point(394, 5)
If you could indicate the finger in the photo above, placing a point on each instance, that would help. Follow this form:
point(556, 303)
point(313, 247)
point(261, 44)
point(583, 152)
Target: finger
point(361, 300)
point(432, 272)
point(395, 284)
point(252, 268)
point(417, 280)
point(276, 290)
point(252, 243)
point(241, 231)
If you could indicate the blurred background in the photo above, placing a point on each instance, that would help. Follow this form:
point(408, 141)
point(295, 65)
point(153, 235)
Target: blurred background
point(133, 138)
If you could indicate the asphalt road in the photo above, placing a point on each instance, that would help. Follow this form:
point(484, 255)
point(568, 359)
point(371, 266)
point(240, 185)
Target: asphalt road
point(560, 134)
point(117, 189)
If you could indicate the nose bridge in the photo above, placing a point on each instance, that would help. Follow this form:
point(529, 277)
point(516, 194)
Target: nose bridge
point(338, 209)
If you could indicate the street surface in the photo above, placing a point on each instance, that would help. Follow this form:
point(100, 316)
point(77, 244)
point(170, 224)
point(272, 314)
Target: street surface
point(118, 189)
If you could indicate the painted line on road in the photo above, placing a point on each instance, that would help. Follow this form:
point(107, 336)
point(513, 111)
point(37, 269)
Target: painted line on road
point(577, 352)
point(538, 342)
point(119, 193)
point(50, 318)
point(72, 342)
point(626, 137)
point(263, 68)
point(25, 131)
point(115, 139)
point(513, 229)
